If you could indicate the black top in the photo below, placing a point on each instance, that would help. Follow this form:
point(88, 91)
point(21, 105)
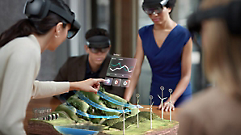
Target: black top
point(91, 74)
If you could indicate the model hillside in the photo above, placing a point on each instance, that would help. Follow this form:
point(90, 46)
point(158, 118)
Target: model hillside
point(101, 113)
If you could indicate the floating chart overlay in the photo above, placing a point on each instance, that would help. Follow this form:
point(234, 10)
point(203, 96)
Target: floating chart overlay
point(121, 67)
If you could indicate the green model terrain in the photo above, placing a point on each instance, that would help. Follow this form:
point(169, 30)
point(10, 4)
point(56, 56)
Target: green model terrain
point(69, 116)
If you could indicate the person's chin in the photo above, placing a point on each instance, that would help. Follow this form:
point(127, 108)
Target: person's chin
point(158, 21)
point(99, 62)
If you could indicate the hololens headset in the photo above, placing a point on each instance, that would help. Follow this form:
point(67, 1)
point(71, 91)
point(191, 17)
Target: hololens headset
point(98, 41)
point(231, 13)
point(153, 6)
point(38, 9)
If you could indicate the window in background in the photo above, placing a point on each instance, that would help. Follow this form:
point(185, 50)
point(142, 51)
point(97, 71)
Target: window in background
point(101, 14)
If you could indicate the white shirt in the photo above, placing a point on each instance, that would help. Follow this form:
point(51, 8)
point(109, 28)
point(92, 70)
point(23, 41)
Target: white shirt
point(19, 67)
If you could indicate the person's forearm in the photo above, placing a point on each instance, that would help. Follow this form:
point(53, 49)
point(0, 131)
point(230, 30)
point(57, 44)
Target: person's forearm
point(43, 89)
point(74, 85)
point(185, 72)
point(180, 88)
point(128, 93)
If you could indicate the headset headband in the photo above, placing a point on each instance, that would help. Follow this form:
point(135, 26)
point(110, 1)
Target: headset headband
point(38, 9)
point(164, 2)
point(98, 42)
point(154, 3)
point(231, 13)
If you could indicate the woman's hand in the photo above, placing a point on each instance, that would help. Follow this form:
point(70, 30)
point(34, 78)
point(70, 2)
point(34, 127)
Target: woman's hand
point(89, 85)
point(167, 106)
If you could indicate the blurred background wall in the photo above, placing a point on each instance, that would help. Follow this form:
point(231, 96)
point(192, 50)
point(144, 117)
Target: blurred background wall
point(122, 18)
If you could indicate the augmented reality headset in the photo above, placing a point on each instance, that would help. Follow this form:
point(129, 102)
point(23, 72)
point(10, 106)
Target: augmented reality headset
point(38, 9)
point(231, 13)
point(98, 42)
point(153, 6)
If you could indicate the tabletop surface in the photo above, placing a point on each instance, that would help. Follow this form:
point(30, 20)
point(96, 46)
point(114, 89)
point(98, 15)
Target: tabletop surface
point(53, 102)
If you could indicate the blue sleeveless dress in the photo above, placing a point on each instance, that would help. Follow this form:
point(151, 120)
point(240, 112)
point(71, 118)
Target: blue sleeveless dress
point(165, 62)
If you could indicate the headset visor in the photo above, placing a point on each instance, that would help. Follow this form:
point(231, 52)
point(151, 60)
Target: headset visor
point(75, 26)
point(70, 18)
point(153, 6)
point(152, 10)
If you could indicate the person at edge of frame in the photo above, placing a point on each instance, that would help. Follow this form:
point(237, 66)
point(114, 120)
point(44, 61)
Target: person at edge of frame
point(216, 110)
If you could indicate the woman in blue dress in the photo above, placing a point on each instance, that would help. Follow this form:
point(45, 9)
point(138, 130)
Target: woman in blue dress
point(168, 48)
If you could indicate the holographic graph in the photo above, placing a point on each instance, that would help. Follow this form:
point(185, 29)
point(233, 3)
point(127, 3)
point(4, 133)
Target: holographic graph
point(126, 68)
point(121, 67)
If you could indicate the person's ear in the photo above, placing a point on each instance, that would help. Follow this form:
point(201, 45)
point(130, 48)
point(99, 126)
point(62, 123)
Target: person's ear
point(169, 10)
point(109, 48)
point(58, 29)
point(86, 48)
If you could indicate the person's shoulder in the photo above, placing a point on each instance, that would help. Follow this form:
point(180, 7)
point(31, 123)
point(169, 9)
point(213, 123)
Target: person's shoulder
point(182, 29)
point(146, 27)
point(109, 56)
point(182, 32)
point(25, 48)
point(25, 43)
point(200, 101)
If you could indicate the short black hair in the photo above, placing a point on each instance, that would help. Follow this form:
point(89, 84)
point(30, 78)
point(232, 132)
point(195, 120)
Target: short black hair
point(171, 4)
point(96, 32)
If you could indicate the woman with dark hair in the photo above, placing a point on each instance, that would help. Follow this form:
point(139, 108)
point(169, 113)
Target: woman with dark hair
point(168, 48)
point(47, 26)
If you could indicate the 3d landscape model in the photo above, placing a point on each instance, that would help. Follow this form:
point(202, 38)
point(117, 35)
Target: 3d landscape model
point(101, 113)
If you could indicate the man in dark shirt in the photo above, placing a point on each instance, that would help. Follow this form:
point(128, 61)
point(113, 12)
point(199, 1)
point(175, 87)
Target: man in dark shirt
point(94, 64)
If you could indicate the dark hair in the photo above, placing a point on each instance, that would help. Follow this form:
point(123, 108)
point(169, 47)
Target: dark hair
point(96, 32)
point(26, 27)
point(171, 4)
